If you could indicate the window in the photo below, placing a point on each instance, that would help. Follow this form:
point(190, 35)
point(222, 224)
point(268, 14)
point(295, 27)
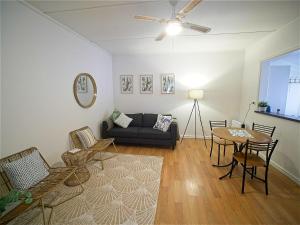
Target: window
point(280, 83)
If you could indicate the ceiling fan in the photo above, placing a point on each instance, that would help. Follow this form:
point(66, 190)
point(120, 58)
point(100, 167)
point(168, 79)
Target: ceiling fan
point(175, 24)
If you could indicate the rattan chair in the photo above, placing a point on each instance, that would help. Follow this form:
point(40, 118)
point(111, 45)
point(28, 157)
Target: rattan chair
point(220, 142)
point(57, 176)
point(96, 149)
point(250, 161)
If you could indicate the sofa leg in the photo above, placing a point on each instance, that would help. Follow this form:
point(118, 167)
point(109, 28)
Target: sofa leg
point(173, 147)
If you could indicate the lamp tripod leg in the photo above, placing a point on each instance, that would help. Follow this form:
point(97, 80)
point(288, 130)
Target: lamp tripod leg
point(196, 102)
point(188, 122)
point(195, 119)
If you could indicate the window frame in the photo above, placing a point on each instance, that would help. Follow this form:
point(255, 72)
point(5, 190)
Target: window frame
point(275, 115)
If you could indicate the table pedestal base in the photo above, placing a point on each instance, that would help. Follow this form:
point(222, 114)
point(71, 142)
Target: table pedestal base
point(237, 148)
point(216, 165)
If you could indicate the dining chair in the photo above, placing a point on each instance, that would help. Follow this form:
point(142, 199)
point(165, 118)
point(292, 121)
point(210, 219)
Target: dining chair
point(220, 142)
point(250, 161)
point(268, 130)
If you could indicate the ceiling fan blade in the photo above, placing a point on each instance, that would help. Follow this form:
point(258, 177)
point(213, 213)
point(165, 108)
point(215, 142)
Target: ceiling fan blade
point(188, 7)
point(161, 36)
point(149, 18)
point(196, 27)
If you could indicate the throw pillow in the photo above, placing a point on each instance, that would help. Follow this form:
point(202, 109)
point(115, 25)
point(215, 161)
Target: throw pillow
point(123, 120)
point(86, 138)
point(115, 115)
point(27, 171)
point(163, 122)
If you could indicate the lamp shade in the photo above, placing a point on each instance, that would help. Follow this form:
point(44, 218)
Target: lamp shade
point(196, 94)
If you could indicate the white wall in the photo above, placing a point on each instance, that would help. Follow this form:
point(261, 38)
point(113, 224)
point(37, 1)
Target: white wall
point(41, 60)
point(287, 155)
point(218, 73)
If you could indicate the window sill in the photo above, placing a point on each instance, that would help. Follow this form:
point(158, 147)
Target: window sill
point(281, 116)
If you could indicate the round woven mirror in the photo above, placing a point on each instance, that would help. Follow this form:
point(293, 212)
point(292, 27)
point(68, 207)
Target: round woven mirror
point(85, 90)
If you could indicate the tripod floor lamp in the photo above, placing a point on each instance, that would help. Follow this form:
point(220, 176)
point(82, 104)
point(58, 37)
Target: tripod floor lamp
point(195, 94)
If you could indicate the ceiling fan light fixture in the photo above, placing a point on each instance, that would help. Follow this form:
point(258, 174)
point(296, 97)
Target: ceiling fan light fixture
point(173, 28)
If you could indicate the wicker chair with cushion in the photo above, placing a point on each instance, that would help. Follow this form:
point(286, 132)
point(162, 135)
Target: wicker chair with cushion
point(41, 190)
point(96, 149)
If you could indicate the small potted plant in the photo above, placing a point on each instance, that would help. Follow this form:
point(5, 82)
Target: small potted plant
point(262, 106)
point(12, 197)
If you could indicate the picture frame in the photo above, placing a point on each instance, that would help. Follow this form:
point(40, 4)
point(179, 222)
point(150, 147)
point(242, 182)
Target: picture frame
point(82, 86)
point(126, 84)
point(146, 84)
point(168, 83)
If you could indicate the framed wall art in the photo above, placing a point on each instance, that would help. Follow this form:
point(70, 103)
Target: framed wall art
point(168, 83)
point(126, 83)
point(146, 84)
point(82, 84)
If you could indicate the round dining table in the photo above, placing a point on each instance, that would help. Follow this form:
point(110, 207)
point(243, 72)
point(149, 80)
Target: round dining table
point(239, 141)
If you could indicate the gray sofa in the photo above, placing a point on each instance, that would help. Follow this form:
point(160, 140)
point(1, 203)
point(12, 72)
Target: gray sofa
point(140, 131)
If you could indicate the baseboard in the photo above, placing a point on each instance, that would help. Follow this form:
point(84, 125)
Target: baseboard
point(285, 172)
point(282, 170)
point(193, 136)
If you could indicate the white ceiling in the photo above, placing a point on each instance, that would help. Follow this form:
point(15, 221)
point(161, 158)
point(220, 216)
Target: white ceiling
point(110, 24)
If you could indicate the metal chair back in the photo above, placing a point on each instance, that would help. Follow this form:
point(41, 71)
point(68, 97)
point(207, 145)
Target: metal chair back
point(267, 148)
point(217, 123)
point(269, 130)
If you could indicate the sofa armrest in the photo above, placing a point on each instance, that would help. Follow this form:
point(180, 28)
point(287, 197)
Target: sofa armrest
point(104, 129)
point(106, 126)
point(173, 130)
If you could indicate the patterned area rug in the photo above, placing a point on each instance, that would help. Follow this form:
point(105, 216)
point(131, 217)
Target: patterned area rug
point(125, 192)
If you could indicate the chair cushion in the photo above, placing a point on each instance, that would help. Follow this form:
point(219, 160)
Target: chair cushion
point(123, 120)
point(26, 171)
point(150, 133)
point(252, 159)
point(222, 141)
point(123, 132)
point(149, 120)
point(86, 138)
point(137, 119)
point(163, 123)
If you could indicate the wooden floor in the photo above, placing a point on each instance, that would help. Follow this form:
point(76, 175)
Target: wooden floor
point(191, 193)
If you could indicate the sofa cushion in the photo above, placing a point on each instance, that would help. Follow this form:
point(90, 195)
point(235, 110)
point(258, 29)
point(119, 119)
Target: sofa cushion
point(149, 120)
point(115, 115)
point(123, 120)
point(150, 133)
point(137, 119)
point(163, 123)
point(123, 132)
